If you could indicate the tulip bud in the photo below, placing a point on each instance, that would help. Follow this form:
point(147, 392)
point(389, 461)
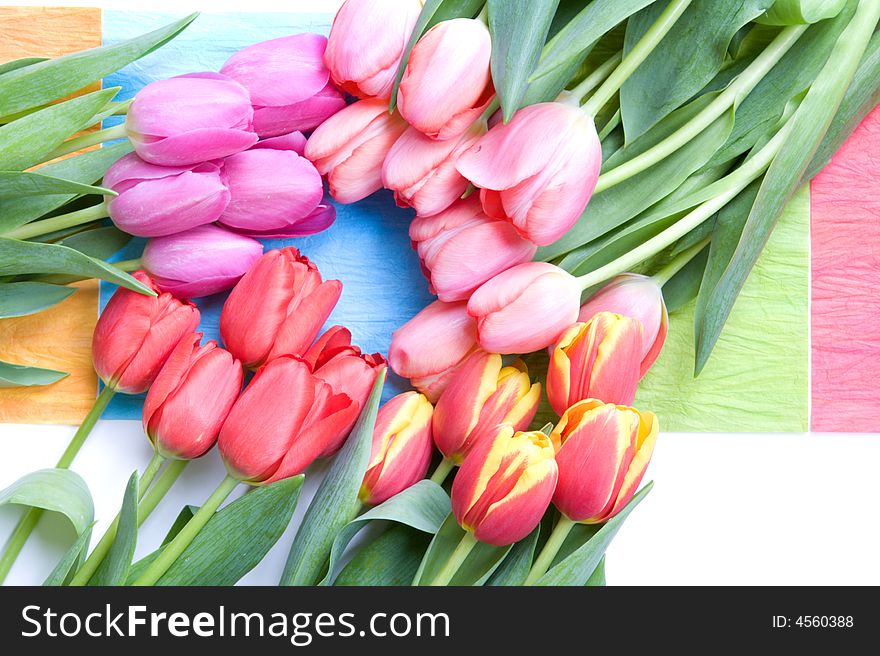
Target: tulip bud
point(428, 348)
point(598, 359)
point(402, 447)
point(602, 451)
point(282, 422)
point(538, 171)
point(422, 173)
point(189, 401)
point(277, 308)
point(504, 486)
point(155, 200)
point(525, 308)
point(366, 43)
point(636, 296)
point(289, 84)
point(481, 395)
point(350, 147)
point(201, 261)
point(447, 84)
point(461, 248)
point(136, 333)
point(190, 119)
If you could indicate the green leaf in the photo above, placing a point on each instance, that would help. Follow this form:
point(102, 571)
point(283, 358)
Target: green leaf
point(113, 570)
point(67, 565)
point(798, 12)
point(577, 568)
point(46, 81)
point(15, 184)
point(476, 569)
point(16, 64)
point(182, 520)
point(237, 538)
point(808, 128)
point(684, 286)
point(56, 490)
point(335, 501)
point(393, 558)
point(433, 12)
point(515, 567)
point(19, 375)
point(26, 257)
point(688, 57)
point(19, 299)
point(27, 141)
point(597, 578)
point(423, 506)
point(99, 243)
point(518, 31)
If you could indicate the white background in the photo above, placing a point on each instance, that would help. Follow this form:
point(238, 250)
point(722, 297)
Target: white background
point(726, 508)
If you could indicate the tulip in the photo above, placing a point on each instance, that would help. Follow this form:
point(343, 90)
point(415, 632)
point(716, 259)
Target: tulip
point(282, 422)
point(366, 44)
point(201, 261)
point(481, 395)
point(350, 147)
point(295, 141)
point(525, 308)
point(447, 84)
point(538, 171)
point(504, 486)
point(602, 451)
point(289, 84)
point(636, 296)
point(189, 401)
point(428, 348)
point(401, 451)
point(155, 200)
point(271, 191)
point(461, 248)
point(190, 119)
point(598, 359)
point(422, 173)
point(277, 308)
point(136, 333)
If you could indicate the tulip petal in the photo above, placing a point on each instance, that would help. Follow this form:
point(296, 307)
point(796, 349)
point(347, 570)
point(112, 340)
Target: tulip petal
point(302, 325)
point(195, 146)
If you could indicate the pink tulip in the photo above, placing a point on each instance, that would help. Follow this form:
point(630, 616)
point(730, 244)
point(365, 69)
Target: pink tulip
point(189, 401)
point(538, 171)
point(421, 171)
point(136, 333)
point(201, 261)
point(277, 308)
point(366, 43)
point(525, 308)
point(428, 348)
point(295, 141)
point(289, 84)
point(461, 248)
point(350, 147)
point(190, 119)
point(160, 200)
point(636, 296)
point(447, 84)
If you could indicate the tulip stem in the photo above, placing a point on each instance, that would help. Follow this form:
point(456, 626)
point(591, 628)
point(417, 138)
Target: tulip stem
point(128, 265)
point(29, 520)
point(551, 548)
point(88, 140)
point(464, 548)
point(636, 56)
point(681, 260)
point(187, 534)
point(61, 222)
point(593, 80)
point(483, 16)
point(439, 476)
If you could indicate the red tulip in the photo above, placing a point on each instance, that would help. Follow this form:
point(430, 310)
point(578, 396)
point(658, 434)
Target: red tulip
point(136, 333)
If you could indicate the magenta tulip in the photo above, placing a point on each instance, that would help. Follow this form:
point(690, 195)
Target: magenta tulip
point(295, 141)
point(190, 119)
point(538, 171)
point(289, 84)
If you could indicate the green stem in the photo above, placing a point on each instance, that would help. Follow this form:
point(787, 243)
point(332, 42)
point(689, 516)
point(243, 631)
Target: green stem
point(45, 226)
point(665, 274)
point(636, 56)
point(465, 546)
point(86, 427)
point(483, 16)
point(182, 540)
point(121, 108)
point(17, 540)
point(594, 79)
point(129, 265)
point(491, 108)
point(446, 465)
point(87, 140)
point(551, 548)
point(735, 91)
point(157, 492)
point(612, 123)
